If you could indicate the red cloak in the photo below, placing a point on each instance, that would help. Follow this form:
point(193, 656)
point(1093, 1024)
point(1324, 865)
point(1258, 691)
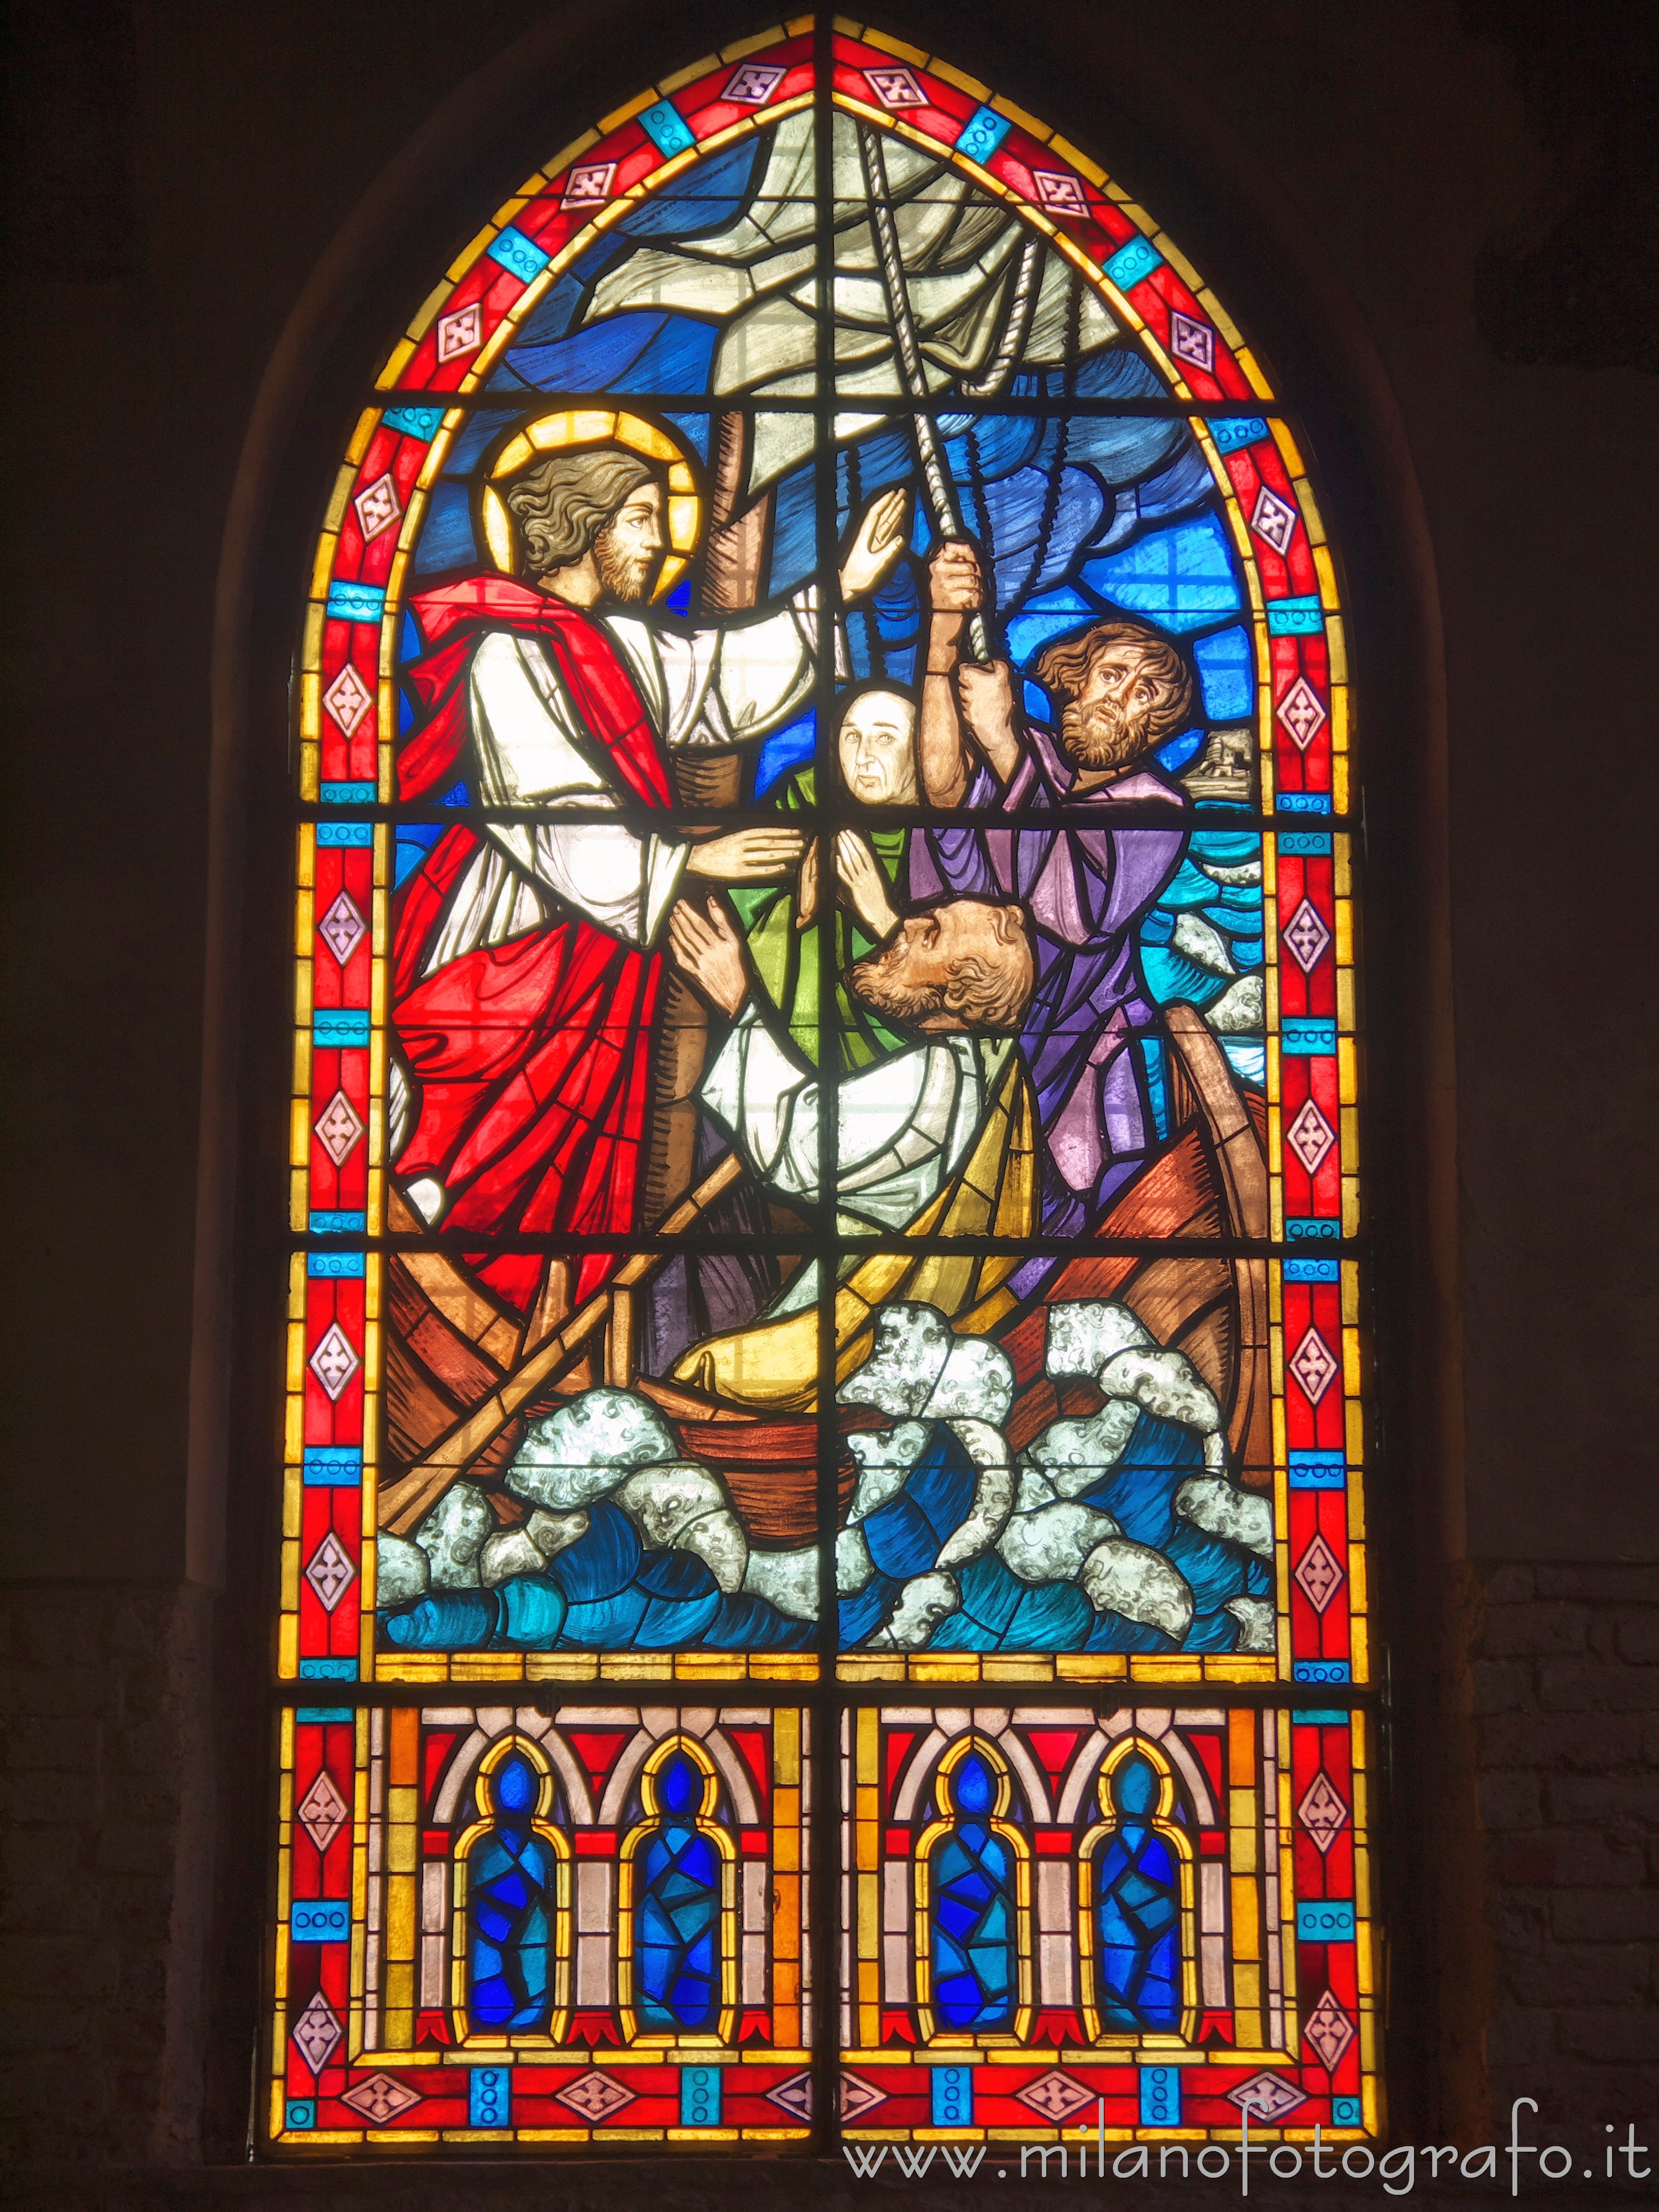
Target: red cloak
point(531, 1057)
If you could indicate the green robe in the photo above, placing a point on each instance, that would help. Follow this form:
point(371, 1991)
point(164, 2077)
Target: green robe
point(785, 959)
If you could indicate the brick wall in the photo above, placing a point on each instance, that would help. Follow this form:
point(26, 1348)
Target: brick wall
point(1565, 1681)
point(103, 1694)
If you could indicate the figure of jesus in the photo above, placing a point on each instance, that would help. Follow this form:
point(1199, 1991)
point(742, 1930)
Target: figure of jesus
point(527, 960)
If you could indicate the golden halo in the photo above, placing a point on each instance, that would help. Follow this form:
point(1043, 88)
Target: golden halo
point(593, 426)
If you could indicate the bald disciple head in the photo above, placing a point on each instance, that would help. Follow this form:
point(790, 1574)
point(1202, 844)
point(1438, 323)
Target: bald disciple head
point(878, 748)
point(965, 965)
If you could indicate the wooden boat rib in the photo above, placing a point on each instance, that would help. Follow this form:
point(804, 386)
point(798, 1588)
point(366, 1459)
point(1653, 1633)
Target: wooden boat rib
point(464, 1375)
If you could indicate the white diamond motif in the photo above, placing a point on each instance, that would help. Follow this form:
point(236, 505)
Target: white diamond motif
point(1314, 1366)
point(347, 698)
point(754, 84)
point(1310, 1136)
point(322, 1811)
point(342, 929)
point(1055, 2097)
point(330, 1573)
point(1320, 1574)
point(1302, 711)
point(1329, 2031)
point(377, 507)
point(317, 2033)
point(1192, 342)
point(857, 2096)
point(1266, 2097)
point(338, 1128)
point(589, 184)
point(461, 332)
point(895, 88)
point(1307, 936)
point(334, 1363)
point(1322, 1812)
point(1274, 519)
point(793, 2096)
point(1061, 193)
point(381, 2099)
point(594, 2098)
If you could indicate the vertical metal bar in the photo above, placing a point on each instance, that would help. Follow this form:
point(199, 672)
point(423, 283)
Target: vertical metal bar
point(825, 1885)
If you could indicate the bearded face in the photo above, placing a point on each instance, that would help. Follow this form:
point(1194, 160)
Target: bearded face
point(1103, 732)
point(624, 571)
point(884, 982)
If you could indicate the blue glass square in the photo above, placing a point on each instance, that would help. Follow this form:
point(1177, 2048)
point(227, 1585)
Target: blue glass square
point(341, 1025)
point(1325, 1920)
point(953, 2096)
point(489, 2097)
point(413, 421)
point(1232, 431)
point(520, 255)
point(700, 2096)
point(1131, 262)
point(336, 1265)
point(1347, 2112)
point(666, 129)
point(358, 603)
point(1160, 2096)
point(301, 2112)
point(982, 133)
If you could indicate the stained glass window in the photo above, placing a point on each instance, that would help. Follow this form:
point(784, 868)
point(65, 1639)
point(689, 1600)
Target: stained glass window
point(823, 1595)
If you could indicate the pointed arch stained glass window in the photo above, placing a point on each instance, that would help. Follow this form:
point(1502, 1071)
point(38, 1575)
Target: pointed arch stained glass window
point(678, 1931)
point(973, 1905)
point(511, 1906)
point(825, 1188)
point(1138, 1868)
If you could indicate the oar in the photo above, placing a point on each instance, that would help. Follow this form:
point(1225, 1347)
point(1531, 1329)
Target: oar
point(404, 1503)
point(941, 499)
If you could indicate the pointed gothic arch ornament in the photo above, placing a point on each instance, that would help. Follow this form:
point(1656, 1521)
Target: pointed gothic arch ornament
point(822, 457)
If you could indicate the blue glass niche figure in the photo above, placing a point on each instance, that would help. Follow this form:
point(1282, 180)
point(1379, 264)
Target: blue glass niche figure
point(973, 1917)
point(676, 1927)
point(1138, 1910)
point(510, 1876)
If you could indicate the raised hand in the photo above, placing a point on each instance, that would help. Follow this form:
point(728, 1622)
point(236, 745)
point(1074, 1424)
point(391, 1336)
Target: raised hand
point(956, 582)
point(746, 856)
point(878, 543)
point(864, 883)
point(710, 953)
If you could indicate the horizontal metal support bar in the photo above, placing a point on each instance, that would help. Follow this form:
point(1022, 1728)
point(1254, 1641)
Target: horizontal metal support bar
point(1101, 1697)
point(863, 403)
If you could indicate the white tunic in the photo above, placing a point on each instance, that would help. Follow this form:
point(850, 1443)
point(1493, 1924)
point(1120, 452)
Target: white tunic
point(703, 687)
point(903, 1127)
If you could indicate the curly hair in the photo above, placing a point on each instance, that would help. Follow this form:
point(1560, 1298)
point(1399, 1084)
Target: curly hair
point(561, 504)
point(1065, 667)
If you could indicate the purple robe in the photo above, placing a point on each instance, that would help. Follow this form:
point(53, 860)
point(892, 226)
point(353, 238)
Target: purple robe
point(1087, 890)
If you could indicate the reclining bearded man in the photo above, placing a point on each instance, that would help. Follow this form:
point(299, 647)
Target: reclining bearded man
point(959, 974)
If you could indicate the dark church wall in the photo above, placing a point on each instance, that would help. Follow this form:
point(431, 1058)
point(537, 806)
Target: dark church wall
point(1439, 222)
